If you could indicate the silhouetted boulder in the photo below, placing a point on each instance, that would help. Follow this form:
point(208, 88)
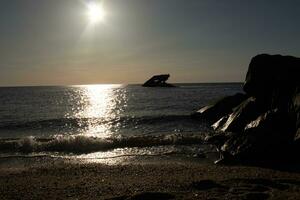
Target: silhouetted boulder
point(296, 110)
point(222, 107)
point(267, 73)
point(241, 115)
point(158, 81)
point(297, 141)
point(238, 119)
point(267, 123)
point(217, 126)
point(267, 137)
point(297, 135)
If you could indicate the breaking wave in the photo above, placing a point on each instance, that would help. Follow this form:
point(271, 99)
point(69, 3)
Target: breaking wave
point(83, 144)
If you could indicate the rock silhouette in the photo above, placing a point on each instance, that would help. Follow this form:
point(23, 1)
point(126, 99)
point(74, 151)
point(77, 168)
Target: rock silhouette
point(158, 81)
point(220, 108)
point(264, 122)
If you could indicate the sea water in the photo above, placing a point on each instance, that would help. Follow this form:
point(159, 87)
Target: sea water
point(105, 121)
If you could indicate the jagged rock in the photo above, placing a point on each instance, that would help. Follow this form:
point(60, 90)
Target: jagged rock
point(158, 81)
point(267, 123)
point(297, 136)
point(241, 116)
point(222, 107)
point(296, 109)
point(297, 141)
point(220, 123)
point(268, 136)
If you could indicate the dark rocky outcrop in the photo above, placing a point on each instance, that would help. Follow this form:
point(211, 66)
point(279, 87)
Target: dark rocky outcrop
point(222, 107)
point(296, 109)
point(240, 117)
point(158, 81)
point(267, 137)
point(270, 73)
point(265, 124)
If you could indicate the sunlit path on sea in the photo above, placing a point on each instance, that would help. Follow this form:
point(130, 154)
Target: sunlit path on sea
point(104, 123)
point(98, 104)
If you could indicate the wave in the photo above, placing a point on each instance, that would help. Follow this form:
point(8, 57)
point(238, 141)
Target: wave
point(84, 122)
point(83, 144)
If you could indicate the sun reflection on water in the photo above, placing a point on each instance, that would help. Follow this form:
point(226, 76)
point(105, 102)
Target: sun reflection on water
point(100, 101)
point(97, 107)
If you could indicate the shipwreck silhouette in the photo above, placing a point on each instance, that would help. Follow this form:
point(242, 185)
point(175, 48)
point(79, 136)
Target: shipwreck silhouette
point(158, 81)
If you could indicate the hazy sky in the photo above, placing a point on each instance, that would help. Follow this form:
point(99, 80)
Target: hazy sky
point(51, 42)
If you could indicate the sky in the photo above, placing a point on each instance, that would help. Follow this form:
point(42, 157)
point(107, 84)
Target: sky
point(52, 42)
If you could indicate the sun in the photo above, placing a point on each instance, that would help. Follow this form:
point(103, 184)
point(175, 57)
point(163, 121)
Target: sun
point(95, 12)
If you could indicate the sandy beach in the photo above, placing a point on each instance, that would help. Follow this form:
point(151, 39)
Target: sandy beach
point(149, 180)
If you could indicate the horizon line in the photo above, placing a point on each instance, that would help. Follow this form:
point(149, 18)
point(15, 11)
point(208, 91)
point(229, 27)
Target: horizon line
point(124, 84)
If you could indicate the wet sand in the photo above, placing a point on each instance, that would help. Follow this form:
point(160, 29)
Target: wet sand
point(152, 180)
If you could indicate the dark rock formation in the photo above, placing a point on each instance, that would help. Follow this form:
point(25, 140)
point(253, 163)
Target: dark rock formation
point(158, 81)
point(266, 138)
point(222, 107)
point(267, 73)
point(240, 117)
point(296, 110)
point(265, 125)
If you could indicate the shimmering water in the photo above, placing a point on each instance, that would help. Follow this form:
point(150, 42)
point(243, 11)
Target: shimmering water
point(104, 118)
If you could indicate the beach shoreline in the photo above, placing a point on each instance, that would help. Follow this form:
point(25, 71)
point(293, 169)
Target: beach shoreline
point(149, 180)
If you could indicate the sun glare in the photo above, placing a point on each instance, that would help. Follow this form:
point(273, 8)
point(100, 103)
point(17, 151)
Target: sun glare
point(95, 12)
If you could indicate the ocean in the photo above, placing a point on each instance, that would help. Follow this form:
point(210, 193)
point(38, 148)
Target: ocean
point(101, 122)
